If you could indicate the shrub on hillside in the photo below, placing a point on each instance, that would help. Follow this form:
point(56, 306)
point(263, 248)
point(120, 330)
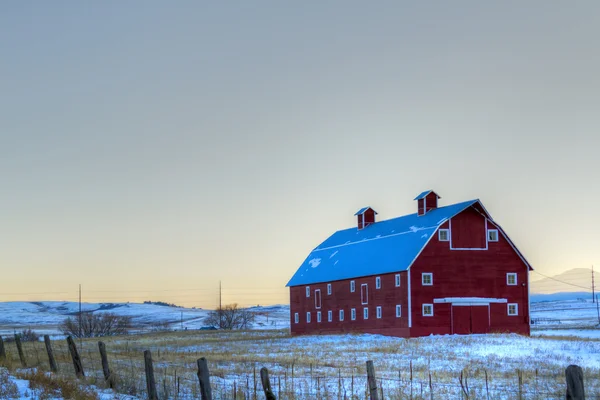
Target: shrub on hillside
point(96, 325)
point(230, 317)
point(27, 335)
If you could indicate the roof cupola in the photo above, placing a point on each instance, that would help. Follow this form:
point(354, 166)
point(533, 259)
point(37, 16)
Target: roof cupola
point(365, 217)
point(427, 201)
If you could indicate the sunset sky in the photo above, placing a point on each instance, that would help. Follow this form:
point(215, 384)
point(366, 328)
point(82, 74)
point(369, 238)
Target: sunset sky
point(149, 150)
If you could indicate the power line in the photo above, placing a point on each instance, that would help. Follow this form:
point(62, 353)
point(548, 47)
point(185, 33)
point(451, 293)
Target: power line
point(558, 280)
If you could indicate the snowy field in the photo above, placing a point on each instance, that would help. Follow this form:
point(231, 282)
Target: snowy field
point(323, 366)
point(45, 317)
point(313, 367)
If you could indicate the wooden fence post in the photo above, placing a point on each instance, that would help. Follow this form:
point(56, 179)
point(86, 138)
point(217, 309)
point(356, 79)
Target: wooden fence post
point(266, 384)
point(51, 360)
point(105, 369)
point(75, 356)
point(204, 378)
point(150, 383)
point(575, 390)
point(373, 395)
point(2, 351)
point(20, 350)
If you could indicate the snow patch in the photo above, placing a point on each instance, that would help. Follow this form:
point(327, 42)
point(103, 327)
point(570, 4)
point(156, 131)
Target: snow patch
point(333, 254)
point(424, 236)
point(315, 262)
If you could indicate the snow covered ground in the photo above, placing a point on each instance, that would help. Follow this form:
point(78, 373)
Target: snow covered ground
point(45, 317)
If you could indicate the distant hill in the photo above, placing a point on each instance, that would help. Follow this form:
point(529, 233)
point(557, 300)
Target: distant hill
point(573, 280)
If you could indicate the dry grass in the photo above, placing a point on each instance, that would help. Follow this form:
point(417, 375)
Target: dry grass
point(319, 369)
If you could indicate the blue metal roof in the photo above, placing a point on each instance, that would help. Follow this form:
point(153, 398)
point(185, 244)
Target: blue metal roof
point(381, 248)
point(425, 193)
point(362, 210)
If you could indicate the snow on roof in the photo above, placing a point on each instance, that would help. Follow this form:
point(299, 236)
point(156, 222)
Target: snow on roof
point(387, 246)
point(362, 211)
point(425, 193)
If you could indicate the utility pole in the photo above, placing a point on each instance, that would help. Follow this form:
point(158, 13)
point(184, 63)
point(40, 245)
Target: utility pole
point(220, 307)
point(80, 316)
point(593, 297)
point(182, 320)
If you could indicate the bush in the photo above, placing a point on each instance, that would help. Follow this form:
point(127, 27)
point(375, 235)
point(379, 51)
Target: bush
point(27, 335)
point(8, 389)
point(96, 325)
point(230, 317)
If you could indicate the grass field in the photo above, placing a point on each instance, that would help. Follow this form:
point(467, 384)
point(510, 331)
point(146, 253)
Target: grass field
point(325, 367)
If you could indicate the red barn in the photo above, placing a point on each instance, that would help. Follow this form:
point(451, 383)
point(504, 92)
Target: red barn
point(441, 270)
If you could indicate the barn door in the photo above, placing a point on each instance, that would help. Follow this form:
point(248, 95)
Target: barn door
point(461, 320)
point(470, 319)
point(480, 319)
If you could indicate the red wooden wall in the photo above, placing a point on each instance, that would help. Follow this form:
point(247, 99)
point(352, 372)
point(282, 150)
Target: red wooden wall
point(342, 299)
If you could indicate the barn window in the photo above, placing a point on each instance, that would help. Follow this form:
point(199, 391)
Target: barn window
point(318, 298)
point(511, 279)
point(353, 314)
point(364, 294)
point(397, 280)
point(513, 309)
point(492, 235)
point(352, 286)
point(341, 315)
point(296, 318)
point(318, 316)
point(428, 310)
point(378, 282)
point(329, 315)
point(398, 310)
point(366, 313)
point(308, 291)
point(444, 235)
point(427, 278)
point(378, 311)
point(329, 288)
point(308, 316)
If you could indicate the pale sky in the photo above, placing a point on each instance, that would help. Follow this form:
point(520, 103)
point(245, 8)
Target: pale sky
point(149, 149)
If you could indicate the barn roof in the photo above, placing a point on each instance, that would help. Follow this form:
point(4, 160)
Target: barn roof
point(362, 211)
point(384, 247)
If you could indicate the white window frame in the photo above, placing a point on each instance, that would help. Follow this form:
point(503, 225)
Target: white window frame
point(397, 280)
point(352, 286)
point(489, 233)
point(320, 302)
point(341, 315)
point(508, 276)
point(308, 291)
point(366, 313)
point(516, 313)
point(296, 318)
point(398, 310)
point(308, 317)
point(329, 288)
point(329, 316)
point(353, 314)
point(423, 309)
point(430, 275)
point(318, 316)
point(366, 299)
point(378, 312)
point(378, 282)
point(447, 232)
